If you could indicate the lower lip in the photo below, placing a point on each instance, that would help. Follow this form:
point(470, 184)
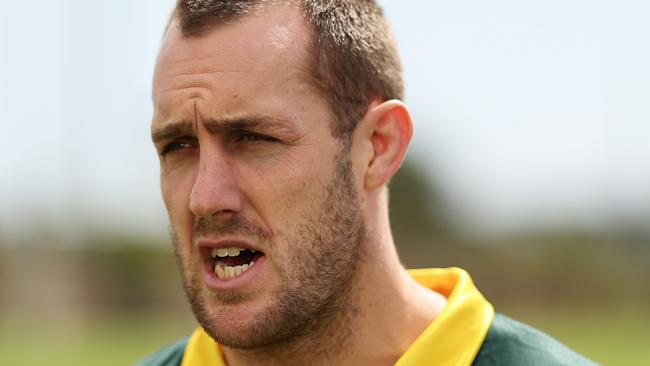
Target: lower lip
point(213, 281)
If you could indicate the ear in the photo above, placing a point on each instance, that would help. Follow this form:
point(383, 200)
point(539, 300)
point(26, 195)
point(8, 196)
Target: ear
point(390, 134)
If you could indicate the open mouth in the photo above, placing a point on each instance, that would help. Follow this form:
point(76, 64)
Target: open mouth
point(233, 261)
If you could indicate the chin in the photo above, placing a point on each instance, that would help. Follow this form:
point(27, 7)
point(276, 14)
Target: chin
point(235, 330)
point(237, 325)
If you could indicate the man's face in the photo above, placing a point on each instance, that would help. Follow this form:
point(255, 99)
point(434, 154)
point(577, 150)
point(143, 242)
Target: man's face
point(262, 202)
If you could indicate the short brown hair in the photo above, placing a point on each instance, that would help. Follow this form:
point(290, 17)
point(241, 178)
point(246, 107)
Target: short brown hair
point(354, 57)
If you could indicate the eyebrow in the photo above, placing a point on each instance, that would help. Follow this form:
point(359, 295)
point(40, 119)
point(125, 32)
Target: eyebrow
point(171, 130)
point(216, 125)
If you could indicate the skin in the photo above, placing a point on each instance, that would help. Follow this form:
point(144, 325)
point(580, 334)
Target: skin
point(247, 154)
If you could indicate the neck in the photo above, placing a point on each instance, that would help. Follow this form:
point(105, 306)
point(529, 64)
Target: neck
point(383, 314)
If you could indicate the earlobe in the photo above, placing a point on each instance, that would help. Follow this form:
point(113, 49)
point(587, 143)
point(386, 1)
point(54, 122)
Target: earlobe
point(391, 135)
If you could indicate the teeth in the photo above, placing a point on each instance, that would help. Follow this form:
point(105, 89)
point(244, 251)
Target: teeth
point(227, 252)
point(223, 271)
point(219, 271)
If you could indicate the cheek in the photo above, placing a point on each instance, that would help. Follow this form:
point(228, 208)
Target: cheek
point(285, 197)
point(176, 189)
point(176, 185)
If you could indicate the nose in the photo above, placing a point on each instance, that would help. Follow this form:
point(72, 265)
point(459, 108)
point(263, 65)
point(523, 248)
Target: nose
point(215, 192)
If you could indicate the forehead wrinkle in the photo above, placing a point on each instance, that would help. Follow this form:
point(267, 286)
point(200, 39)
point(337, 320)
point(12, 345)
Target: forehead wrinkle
point(190, 59)
point(191, 80)
point(195, 74)
point(202, 65)
point(198, 73)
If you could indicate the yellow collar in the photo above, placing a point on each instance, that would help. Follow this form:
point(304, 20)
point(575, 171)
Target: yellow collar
point(453, 338)
point(457, 333)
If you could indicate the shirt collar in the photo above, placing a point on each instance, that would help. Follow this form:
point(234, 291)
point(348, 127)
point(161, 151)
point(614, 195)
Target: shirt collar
point(457, 333)
point(453, 338)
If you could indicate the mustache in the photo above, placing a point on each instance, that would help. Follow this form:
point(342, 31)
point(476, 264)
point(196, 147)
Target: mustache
point(234, 225)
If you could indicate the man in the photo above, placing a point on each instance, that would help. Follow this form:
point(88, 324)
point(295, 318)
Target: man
point(278, 125)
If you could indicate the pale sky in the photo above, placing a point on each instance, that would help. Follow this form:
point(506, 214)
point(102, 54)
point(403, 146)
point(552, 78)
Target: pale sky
point(525, 112)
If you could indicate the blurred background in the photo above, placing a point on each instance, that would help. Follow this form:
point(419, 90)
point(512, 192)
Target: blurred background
point(530, 168)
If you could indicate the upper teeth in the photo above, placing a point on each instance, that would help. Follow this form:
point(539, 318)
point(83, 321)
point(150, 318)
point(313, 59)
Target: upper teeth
point(227, 252)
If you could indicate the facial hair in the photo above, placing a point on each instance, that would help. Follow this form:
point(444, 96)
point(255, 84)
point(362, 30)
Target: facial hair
point(318, 270)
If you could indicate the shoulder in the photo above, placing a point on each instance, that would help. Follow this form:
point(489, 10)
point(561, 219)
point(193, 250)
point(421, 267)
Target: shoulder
point(510, 342)
point(170, 355)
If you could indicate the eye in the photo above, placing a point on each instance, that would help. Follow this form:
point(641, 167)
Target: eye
point(176, 145)
point(245, 136)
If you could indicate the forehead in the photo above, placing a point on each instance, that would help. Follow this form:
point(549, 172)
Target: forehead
point(246, 56)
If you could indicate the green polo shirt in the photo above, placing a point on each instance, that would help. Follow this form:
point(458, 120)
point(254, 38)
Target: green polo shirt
point(466, 332)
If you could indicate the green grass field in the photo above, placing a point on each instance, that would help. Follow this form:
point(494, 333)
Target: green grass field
point(610, 338)
point(102, 343)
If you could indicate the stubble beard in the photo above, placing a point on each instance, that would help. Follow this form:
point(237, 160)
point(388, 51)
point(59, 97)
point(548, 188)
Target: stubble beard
point(312, 302)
